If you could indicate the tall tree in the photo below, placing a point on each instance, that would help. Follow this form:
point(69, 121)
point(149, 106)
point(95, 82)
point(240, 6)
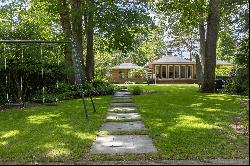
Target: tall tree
point(211, 45)
point(77, 34)
point(66, 26)
point(89, 29)
point(198, 15)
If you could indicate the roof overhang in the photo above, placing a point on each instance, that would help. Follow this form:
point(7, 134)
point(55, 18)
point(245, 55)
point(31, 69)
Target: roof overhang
point(127, 68)
point(173, 63)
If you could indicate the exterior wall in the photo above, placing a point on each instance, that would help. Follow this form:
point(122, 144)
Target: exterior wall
point(115, 75)
point(116, 78)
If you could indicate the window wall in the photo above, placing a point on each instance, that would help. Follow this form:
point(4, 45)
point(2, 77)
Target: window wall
point(189, 72)
point(158, 71)
point(183, 71)
point(164, 72)
point(170, 72)
point(174, 71)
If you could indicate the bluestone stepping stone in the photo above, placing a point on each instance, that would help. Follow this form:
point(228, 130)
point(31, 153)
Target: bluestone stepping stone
point(111, 144)
point(120, 94)
point(124, 90)
point(122, 105)
point(123, 109)
point(122, 98)
point(121, 116)
point(122, 101)
point(123, 126)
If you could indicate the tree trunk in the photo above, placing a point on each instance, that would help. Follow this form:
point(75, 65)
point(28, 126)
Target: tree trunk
point(89, 27)
point(200, 59)
point(210, 49)
point(198, 69)
point(202, 33)
point(65, 22)
point(77, 30)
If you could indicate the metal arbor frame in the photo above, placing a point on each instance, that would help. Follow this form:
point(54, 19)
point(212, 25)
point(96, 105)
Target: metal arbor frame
point(76, 64)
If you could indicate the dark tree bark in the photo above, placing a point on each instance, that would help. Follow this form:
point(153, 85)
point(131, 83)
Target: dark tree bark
point(66, 26)
point(200, 59)
point(89, 27)
point(202, 33)
point(211, 44)
point(77, 32)
point(198, 69)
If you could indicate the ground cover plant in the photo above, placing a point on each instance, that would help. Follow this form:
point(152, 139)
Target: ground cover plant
point(187, 124)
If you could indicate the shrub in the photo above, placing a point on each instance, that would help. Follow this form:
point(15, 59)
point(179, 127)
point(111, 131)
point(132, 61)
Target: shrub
point(136, 90)
point(102, 87)
point(53, 93)
point(238, 83)
point(222, 70)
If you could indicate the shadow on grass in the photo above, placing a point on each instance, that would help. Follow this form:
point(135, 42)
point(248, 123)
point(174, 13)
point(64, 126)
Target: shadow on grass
point(57, 133)
point(186, 124)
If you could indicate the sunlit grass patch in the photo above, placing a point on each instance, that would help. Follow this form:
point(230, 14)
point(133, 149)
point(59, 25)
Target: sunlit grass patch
point(50, 133)
point(186, 124)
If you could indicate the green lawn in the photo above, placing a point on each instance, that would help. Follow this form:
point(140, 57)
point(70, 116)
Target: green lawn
point(50, 133)
point(183, 123)
point(186, 124)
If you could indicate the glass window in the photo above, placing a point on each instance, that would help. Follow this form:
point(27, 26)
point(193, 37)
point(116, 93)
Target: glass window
point(183, 71)
point(170, 71)
point(158, 71)
point(177, 71)
point(164, 74)
point(189, 72)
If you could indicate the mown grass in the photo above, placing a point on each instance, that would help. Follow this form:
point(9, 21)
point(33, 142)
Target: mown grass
point(187, 124)
point(183, 123)
point(50, 133)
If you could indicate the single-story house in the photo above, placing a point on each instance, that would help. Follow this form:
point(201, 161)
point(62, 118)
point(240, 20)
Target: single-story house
point(167, 69)
point(173, 69)
point(124, 73)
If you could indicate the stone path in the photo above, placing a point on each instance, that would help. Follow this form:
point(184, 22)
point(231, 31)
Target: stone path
point(122, 108)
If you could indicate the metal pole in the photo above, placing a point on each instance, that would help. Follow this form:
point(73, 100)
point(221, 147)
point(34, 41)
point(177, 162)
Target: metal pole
point(57, 82)
point(32, 41)
point(93, 103)
point(21, 80)
point(43, 89)
point(84, 106)
point(6, 76)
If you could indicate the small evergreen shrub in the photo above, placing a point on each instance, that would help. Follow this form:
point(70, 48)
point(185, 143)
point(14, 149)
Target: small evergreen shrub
point(136, 90)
